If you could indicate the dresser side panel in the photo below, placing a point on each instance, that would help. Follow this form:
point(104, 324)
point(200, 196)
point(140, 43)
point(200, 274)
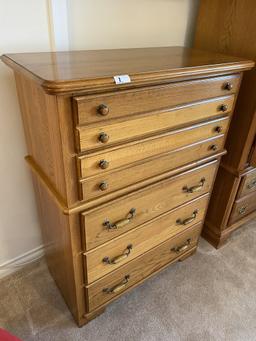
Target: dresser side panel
point(42, 130)
point(63, 250)
point(223, 195)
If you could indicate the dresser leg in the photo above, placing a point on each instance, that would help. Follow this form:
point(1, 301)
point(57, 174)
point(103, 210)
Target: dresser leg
point(215, 240)
point(90, 316)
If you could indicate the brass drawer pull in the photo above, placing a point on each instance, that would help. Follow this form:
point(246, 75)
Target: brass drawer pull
point(187, 220)
point(103, 186)
point(242, 210)
point(223, 107)
point(228, 86)
point(194, 188)
point(182, 248)
point(120, 223)
point(103, 164)
point(119, 287)
point(218, 129)
point(119, 258)
point(103, 137)
point(213, 147)
point(103, 109)
point(252, 184)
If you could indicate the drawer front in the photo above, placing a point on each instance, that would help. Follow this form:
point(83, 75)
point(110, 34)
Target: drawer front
point(132, 244)
point(119, 216)
point(109, 133)
point(138, 269)
point(248, 184)
point(96, 108)
point(150, 168)
point(90, 164)
point(242, 207)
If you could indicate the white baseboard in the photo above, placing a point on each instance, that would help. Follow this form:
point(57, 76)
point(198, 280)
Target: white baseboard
point(19, 262)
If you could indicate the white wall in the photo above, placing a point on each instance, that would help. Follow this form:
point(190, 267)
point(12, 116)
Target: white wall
point(41, 25)
point(96, 24)
point(23, 27)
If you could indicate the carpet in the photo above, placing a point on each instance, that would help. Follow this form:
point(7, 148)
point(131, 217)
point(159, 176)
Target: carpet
point(211, 296)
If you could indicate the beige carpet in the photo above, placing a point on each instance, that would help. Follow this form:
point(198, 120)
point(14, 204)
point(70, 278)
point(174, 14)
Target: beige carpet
point(210, 296)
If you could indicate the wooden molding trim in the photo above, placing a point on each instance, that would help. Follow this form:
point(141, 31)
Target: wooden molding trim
point(147, 78)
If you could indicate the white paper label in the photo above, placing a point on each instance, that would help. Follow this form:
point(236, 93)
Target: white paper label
point(122, 79)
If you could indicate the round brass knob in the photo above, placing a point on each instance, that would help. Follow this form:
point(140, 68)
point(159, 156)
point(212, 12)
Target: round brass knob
point(228, 86)
point(218, 129)
point(103, 164)
point(103, 186)
point(223, 107)
point(103, 109)
point(103, 137)
point(213, 147)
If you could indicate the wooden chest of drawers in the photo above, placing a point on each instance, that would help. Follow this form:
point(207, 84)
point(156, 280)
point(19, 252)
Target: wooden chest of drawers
point(122, 173)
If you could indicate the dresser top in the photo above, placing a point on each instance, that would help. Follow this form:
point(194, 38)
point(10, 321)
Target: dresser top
point(74, 71)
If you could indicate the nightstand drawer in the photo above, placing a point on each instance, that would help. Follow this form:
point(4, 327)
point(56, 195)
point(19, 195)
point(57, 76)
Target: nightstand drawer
point(110, 133)
point(137, 270)
point(248, 184)
point(118, 216)
point(96, 108)
point(242, 207)
point(116, 157)
point(149, 169)
point(132, 244)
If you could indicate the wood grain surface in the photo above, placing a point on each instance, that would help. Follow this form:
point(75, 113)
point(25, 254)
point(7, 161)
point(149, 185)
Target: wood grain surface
point(141, 267)
point(149, 203)
point(63, 72)
point(144, 237)
point(137, 127)
point(142, 149)
point(128, 103)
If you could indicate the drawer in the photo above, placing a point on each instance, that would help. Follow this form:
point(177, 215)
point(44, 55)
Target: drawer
point(91, 164)
point(118, 216)
point(140, 268)
point(96, 108)
point(242, 207)
point(134, 243)
point(109, 133)
point(149, 169)
point(247, 184)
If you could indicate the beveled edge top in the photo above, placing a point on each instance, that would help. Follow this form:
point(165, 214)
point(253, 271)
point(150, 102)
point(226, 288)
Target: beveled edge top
point(76, 71)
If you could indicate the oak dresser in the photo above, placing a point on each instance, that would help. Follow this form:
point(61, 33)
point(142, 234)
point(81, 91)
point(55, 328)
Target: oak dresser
point(124, 146)
point(229, 27)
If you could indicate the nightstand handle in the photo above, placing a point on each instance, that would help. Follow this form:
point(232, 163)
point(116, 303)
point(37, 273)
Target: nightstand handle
point(242, 210)
point(119, 287)
point(252, 184)
point(120, 223)
point(119, 258)
point(187, 220)
point(182, 248)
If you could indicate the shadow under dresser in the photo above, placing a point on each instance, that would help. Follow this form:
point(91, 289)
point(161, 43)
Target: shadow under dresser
point(124, 146)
